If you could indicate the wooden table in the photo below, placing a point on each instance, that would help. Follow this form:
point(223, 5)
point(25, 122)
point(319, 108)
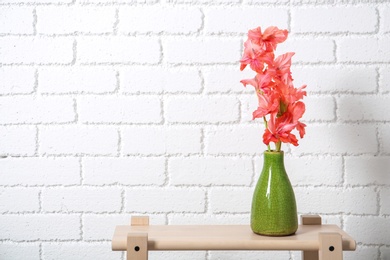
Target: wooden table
point(316, 241)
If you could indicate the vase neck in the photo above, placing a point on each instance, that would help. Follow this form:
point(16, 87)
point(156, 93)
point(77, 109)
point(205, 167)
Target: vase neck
point(274, 157)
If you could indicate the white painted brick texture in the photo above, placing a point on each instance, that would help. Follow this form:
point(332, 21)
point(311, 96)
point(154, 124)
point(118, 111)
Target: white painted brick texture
point(16, 20)
point(36, 50)
point(82, 20)
point(67, 80)
point(159, 20)
point(17, 80)
point(334, 20)
point(116, 108)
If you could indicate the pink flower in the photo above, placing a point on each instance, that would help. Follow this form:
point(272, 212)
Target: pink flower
point(268, 40)
point(261, 82)
point(267, 104)
point(279, 130)
point(274, 86)
point(281, 66)
point(255, 57)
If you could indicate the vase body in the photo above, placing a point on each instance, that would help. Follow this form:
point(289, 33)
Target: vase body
point(274, 210)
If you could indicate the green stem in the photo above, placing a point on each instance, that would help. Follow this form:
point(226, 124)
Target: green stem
point(266, 126)
point(278, 146)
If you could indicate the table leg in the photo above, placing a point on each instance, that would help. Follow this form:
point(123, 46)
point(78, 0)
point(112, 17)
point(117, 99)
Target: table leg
point(137, 246)
point(310, 220)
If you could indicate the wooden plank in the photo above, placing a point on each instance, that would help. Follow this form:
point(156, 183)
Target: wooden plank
point(226, 237)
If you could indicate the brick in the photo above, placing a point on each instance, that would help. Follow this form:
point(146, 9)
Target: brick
point(208, 219)
point(384, 135)
point(343, 79)
point(36, 1)
point(202, 109)
point(178, 255)
point(79, 140)
point(226, 80)
point(363, 50)
point(97, 227)
point(385, 19)
point(327, 20)
point(118, 50)
point(336, 200)
point(39, 171)
point(89, 20)
point(96, 200)
point(26, 109)
point(249, 255)
point(311, 170)
point(361, 253)
point(384, 201)
point(367, 170)
point(204, 51)
point(80, 250)
point(40, 227)
point(19, 200)
point(18, 140)
point(210, 171)
point(127, 171)
point(171, 140)
point(36, 50)
point(114, 109)
point(155, 19)
point(384, 80)
point(249, 103)
point(117, 1)
point(319, 108)
point(375, 229)
point(234, 139)
point(385, 251)
point(77, 80)
point(163, 200)
point(266, 1)
point(229, 200)
point(216, 22)
point(338, 139)
point(159, 80)
point(19, 251)
point(202, 1)
point(309, 50)
point(12, 82)
point(359, 108)
point(16, 20)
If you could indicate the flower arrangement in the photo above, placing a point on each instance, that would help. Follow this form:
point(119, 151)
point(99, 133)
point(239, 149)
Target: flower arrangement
point(278, 99)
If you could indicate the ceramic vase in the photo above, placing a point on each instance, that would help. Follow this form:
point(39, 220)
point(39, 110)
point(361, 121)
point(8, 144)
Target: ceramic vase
point(274, 210)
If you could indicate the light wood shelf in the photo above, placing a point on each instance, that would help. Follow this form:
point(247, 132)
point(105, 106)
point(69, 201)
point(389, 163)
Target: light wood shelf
point(317, 241)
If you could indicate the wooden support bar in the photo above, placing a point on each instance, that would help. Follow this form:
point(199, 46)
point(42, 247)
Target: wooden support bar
point(139, 221)
point(137, 246)
point(310, 220)
point(330, 246)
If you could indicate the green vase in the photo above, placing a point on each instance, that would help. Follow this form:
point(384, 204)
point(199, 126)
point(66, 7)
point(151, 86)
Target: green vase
point(274, 210)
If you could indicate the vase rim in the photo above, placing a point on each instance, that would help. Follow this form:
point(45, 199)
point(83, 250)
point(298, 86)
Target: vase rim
point(273, 152)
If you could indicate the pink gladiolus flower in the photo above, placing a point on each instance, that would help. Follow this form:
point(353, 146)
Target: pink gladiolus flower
point(255, 57)
point(269, 39)
point(279, 129)
point(276, 94)
point(267, 104)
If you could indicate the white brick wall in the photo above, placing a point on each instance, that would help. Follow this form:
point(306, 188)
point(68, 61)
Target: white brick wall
point(117, 108)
